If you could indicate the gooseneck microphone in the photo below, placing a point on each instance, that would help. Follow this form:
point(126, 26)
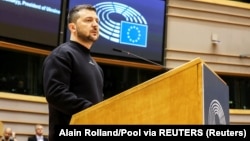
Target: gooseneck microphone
point(137, 56)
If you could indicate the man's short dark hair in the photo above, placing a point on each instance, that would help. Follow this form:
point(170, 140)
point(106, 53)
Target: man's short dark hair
point(73, 13)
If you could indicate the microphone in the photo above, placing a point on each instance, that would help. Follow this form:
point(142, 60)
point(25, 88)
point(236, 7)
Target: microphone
point(137, 56)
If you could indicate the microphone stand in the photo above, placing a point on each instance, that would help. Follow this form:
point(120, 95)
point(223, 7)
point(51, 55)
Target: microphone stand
point(137, 56)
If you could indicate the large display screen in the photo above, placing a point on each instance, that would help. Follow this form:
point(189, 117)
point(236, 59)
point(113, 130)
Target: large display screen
point(129, 27)
point(35, 21)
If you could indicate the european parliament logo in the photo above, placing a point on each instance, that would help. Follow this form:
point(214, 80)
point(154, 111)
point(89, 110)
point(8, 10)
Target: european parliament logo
point(131, 31)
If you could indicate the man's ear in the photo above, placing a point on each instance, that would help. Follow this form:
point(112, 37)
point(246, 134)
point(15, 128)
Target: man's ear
point(72, 27)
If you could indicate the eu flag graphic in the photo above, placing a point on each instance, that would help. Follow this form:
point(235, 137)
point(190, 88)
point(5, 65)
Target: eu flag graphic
point(133, 34)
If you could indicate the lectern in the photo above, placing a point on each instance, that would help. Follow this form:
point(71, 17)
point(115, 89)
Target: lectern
point(188, 94)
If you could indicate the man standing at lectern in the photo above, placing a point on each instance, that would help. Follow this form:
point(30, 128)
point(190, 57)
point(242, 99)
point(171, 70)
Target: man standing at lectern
point(72, 80)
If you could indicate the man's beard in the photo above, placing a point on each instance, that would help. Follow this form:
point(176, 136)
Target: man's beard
point(85, 37)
